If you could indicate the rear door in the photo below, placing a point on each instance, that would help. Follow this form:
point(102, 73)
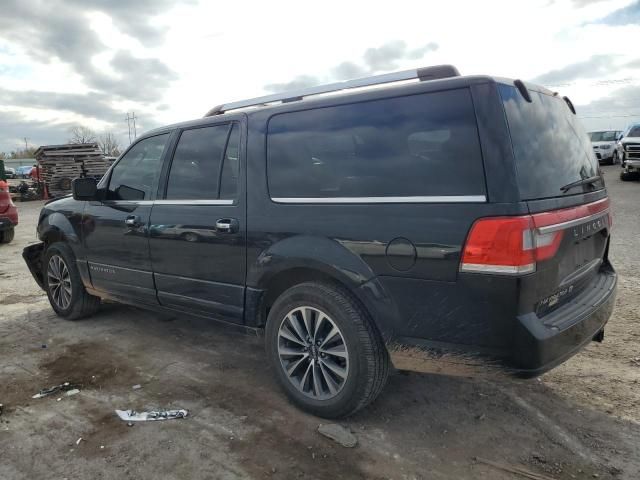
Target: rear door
point(553, 155)
point(197, 230)
point(115, 230)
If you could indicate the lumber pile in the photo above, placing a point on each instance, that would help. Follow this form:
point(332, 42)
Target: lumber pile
point(60, 164)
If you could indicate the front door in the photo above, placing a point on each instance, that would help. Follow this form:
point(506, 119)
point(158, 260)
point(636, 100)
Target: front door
point(198, 225)
point(115, 230)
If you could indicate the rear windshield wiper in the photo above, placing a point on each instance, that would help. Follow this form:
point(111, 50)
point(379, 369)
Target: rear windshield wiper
point(584, 181)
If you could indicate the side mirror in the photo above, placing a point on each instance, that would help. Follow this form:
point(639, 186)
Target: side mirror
point(84, 189)
point(619, 137)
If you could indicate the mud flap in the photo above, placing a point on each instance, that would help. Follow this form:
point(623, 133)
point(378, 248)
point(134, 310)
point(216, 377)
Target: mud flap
point(33, 258)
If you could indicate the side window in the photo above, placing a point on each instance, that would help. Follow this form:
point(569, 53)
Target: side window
point(136, 174)
point(419, 145)
point(200, 166)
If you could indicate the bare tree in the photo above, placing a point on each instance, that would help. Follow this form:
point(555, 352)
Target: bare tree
point(109, 144)
point(82, 134)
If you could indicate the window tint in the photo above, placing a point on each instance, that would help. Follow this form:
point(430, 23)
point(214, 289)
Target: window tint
point(420, 145)
point(230, 166)
point(136, 174)
point(196, 167)
point(551, 149)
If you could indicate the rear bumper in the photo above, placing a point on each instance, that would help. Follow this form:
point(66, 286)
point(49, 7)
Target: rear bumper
point(535, 344)
point(543, 343)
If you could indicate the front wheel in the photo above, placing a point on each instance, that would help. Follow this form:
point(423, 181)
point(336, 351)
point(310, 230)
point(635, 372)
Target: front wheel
point(627, 176)
point(67, 295)
point(6, 236)
point(325, 351)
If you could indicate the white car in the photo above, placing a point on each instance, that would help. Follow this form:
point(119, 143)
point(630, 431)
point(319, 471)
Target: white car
point(628, 149)
point(604, 145)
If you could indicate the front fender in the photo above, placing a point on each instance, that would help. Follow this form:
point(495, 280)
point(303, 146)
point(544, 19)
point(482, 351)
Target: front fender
point(59, 227)
point(66, 226)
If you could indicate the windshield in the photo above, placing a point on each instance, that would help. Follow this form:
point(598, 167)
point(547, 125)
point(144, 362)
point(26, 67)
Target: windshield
point(550, 146)
point(608, 136)
point(634, 132)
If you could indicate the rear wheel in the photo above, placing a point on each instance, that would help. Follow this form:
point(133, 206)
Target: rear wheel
point(627, 176)
point(7, 235)
point(324, 350)
point(63, 284)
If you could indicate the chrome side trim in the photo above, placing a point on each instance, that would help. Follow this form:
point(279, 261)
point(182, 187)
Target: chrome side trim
point(571, 223)
point(417, 199)
point(499, 269)
point(171, 202)
point(128, 202)
point(193, 202)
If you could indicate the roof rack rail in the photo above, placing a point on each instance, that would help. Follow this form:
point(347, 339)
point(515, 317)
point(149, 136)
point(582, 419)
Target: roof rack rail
point(422, 74)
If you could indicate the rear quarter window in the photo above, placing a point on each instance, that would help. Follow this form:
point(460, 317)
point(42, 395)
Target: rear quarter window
point(419, 145)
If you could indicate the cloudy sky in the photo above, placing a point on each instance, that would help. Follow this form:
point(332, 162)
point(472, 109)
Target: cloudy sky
point(89, 62)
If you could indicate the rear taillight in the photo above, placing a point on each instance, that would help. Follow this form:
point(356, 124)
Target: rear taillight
point(513, 245)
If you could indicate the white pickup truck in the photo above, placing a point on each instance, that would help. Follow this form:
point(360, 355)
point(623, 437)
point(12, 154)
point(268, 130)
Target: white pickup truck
point(628, 149)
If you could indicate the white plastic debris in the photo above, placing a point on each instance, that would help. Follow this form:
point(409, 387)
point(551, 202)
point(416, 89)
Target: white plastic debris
point(78, 441)
point(70, 393)
point(133, 416)
point(137, 387)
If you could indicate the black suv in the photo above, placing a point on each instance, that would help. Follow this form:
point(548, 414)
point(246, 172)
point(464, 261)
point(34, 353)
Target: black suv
point(426, 220)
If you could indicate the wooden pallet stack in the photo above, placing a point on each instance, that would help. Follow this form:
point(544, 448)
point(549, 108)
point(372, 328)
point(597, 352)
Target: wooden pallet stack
point(60, 164)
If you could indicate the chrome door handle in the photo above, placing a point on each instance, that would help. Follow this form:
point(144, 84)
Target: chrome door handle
point(227, 225)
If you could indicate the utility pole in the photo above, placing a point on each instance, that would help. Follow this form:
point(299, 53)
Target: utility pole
point(129, 119)
point(26, 145)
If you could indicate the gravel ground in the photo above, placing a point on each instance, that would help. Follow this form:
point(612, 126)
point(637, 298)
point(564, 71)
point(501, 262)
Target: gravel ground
point(582, 420)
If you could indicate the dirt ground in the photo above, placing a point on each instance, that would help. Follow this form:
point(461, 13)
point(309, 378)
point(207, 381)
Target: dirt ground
point(582, 420)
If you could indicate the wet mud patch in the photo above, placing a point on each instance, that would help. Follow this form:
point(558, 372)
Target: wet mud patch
point(91, 365)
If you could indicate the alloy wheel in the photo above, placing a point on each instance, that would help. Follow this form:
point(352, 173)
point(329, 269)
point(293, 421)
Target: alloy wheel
point(59, 281)
point(313, 353)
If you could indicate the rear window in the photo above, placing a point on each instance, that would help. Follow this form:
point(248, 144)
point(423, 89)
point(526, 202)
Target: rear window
point(420, 145)
point(550, 146)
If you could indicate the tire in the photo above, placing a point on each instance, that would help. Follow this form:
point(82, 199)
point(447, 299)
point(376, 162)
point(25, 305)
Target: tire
point(356, 351)
point(6, 236)
point(628, 176)
point(69, 300)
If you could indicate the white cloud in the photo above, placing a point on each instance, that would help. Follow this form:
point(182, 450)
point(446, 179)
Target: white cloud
point(173, 60)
